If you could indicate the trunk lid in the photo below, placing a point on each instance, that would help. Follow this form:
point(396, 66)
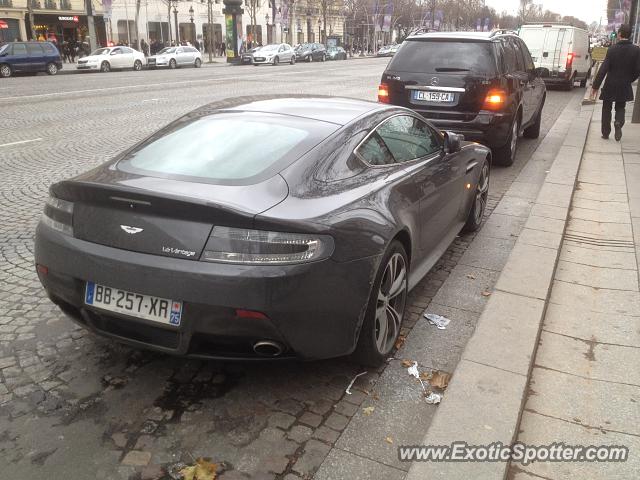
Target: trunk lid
point(160, 216)
point(423, 70)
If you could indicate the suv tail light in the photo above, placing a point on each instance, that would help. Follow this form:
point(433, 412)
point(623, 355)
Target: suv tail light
point(383, 93)
point(495, 100)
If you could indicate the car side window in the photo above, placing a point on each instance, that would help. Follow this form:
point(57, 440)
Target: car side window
point(19, 49)
point(48, 48)
point(34, 50)
point(509, 61)
point(179, 50)
point(519, 55)
point(408, 138)
point(375, 152)
point(528, 61)
point(116, 51)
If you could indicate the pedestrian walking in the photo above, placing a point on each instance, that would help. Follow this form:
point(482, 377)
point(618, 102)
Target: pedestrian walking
point(621, 67)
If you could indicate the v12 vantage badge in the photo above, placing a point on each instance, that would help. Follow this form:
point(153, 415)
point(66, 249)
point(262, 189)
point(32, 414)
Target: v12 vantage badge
point(178, 251)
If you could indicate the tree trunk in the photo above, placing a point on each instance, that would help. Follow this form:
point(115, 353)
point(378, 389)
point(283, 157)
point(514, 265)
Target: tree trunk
point(137, 18)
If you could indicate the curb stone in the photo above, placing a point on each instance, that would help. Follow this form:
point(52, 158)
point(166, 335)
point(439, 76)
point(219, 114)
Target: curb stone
point(486, 396)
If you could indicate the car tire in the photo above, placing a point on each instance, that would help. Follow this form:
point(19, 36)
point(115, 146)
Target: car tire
point(293, 60)
point(506, 154)
point(583, 82)
point(105, 67)
point(310, 58)
point(479, 204)
point(197, 63)
point(533, 130)
point(172, 64)
point(374, 343)
point(324, 58)
point(52, 68)
point(5, 70)
point(276, 61)
point(137, 65)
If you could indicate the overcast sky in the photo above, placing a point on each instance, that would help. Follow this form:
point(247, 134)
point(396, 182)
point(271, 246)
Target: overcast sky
point(587, 10)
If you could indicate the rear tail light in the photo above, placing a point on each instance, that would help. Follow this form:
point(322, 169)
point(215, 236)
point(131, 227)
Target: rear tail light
point(495, 100)
point(58, 214)
point(568, 68)
point(242, 313)
point(383, 93)
point(257, 247)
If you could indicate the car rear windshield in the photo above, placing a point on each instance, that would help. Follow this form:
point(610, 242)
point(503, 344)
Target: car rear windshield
point(432, 56)
point(227, 147)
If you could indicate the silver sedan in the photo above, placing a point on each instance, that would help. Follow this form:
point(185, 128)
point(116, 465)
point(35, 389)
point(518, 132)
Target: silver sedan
point(274, 54)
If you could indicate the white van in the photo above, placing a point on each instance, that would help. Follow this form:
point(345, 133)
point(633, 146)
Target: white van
point(561, 50)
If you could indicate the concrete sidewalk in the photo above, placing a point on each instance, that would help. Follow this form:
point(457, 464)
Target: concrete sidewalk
point(584, 388)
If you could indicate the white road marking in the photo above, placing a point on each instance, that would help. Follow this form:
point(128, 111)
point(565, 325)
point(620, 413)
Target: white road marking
point(21, 141)
point(162, 84)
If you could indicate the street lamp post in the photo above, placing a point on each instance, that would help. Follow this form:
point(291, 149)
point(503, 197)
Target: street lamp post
point(266, 18)
point(175, 17)
point(320, 30)
point(210, 28)
point(193, 28)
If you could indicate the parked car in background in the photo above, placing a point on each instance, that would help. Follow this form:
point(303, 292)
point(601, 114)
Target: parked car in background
point(174, 57)
point(247, 57)
point(311, 52)
point(29, 57)
point(562, 51)
point(281, 228)
point(112, 58)
point(384, 51)
point(482, 85)
point(394, 49)
point(336, 53)
point(274, 54)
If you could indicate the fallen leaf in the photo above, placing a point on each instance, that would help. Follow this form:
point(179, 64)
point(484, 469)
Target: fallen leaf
point(202, 470)
point(440, 379)
point(376, 397)
point(486, 294)
point(425, 376)
point(389, 440)
point(407, 363)
point(368, 410)
point(400, 341)
point(471, 276)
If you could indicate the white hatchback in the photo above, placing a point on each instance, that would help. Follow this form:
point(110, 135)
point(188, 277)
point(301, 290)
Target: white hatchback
point(173, 57)
point(274, 54)
point(110, 58)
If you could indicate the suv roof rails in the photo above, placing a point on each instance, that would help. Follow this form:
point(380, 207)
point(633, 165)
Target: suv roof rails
point(422, 29)
point(502, 31)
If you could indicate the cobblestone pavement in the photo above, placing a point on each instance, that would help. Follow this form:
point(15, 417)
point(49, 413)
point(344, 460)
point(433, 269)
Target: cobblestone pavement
point(76, 406)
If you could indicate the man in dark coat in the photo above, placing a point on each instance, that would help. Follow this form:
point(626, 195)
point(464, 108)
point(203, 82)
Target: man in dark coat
point(621, 67)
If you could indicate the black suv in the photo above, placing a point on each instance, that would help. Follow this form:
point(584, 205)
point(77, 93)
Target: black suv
point(311, 52)
point(482, 85)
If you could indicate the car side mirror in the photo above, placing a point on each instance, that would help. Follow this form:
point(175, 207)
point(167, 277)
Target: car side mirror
point(452, 142)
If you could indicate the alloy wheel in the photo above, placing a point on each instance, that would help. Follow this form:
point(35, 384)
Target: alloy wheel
point(5, 71)
point(482, 194)
point(198, 63)
point(137, 65)
point(105, 67)
point(172, 63)
point(52, 69)
point(514, 138)
point(392, 296)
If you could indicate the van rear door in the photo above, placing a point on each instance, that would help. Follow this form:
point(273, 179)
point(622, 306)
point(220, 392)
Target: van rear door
point(548, 45)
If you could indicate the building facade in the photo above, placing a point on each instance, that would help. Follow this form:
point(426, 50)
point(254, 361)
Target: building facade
point(52, 20)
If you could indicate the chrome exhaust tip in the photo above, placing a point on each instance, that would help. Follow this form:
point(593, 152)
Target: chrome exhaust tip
point(267, 348)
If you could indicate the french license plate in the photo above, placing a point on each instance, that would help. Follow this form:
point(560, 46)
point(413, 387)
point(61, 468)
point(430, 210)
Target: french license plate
point(161, 310)
point(432, 96)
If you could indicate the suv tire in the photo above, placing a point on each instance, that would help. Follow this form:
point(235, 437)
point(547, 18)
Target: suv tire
point(506, 155)
point(5, 71)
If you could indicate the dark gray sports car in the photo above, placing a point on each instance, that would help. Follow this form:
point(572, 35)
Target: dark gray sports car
point(270, 228)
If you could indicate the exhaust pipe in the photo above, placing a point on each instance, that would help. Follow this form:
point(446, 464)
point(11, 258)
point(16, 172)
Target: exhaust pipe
point(267, 348)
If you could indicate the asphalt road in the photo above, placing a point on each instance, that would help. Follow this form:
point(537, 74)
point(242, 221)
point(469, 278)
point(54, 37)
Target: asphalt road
point(76, 406)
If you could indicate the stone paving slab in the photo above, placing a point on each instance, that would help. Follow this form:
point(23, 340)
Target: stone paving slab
point(488, 252)
point(580, 400)
point(597, 277)
point(596, 299)
point(341, 465)
point(502, 226)
point(540, 238)
point(529, 271)
point(598, 257)
point(587, 325)
point(535, 427)
point(589, 359)
point(471, 281)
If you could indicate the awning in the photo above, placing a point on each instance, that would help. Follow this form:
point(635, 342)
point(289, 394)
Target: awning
point(3, 24)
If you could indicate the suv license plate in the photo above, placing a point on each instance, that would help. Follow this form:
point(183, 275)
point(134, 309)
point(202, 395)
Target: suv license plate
point(161, 310)
point(439, 97)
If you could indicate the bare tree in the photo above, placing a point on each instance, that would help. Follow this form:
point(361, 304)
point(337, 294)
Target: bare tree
point(253, 5)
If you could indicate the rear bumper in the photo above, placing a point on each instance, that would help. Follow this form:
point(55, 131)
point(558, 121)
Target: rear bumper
point(314, 310)
point(489, 128)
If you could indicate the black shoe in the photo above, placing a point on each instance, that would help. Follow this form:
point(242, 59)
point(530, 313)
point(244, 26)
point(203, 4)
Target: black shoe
point(618, 133)
point(606, 137)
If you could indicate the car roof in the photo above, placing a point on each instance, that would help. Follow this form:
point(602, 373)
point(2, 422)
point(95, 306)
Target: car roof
point(465, 36)
point(336, 110)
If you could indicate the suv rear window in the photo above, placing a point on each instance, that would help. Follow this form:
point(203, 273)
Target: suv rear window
point(226, 147)
point(435, 56)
